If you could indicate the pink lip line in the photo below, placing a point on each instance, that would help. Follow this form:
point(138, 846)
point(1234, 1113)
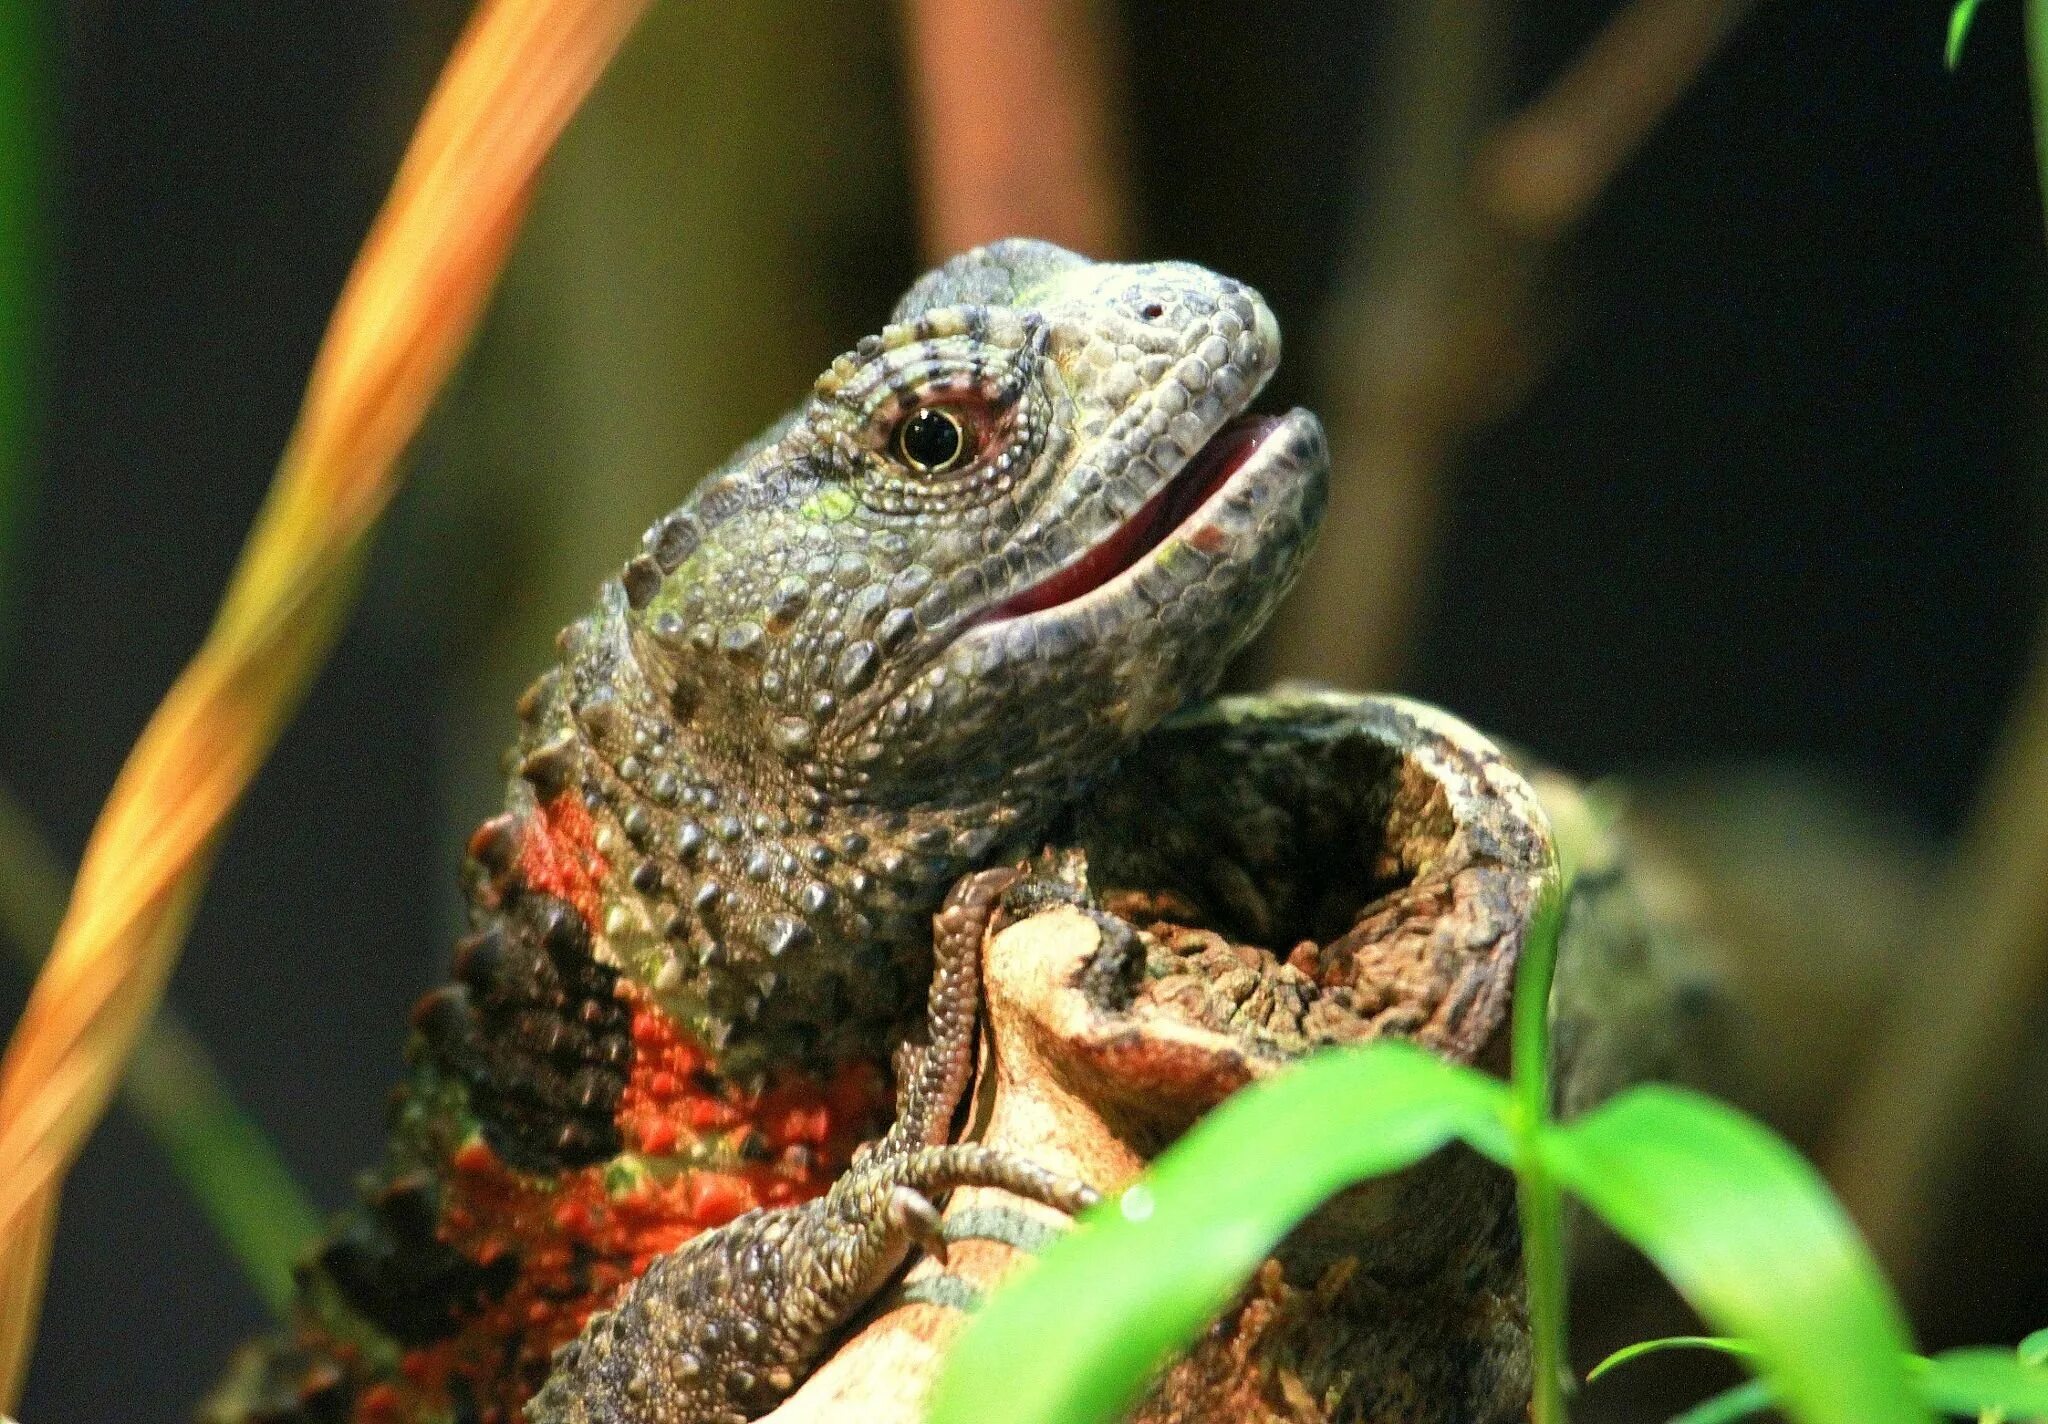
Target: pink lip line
point(1147, 529)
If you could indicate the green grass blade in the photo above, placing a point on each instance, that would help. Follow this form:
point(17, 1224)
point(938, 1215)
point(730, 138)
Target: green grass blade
point(1542, 1211)
point(1530, 1032)
point(1669, 1342)
point(1957, 1382)
point(1959, 30)
point(2036, 30)
point(223, 1159)
point(1740, 1402)
point(25, 106)
point(1967, 1381)
point(1750, 1235)
point(1144, 1273)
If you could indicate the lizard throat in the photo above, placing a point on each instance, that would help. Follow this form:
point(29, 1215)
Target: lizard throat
point(1206, 472)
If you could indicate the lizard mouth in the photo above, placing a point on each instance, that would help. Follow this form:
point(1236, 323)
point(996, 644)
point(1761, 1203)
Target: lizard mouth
point(1173, 507)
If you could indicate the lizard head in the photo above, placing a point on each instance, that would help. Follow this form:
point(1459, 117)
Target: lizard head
point(1002, 538)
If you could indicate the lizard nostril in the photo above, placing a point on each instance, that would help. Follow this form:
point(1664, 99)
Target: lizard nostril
point(1152, 311)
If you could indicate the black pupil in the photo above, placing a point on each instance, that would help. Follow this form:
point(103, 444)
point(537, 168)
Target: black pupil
point(931, 439)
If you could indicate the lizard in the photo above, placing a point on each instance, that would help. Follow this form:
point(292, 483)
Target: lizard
point(883, 647)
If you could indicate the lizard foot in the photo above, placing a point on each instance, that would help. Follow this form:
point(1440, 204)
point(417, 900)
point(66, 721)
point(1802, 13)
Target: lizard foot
point(722, 1329)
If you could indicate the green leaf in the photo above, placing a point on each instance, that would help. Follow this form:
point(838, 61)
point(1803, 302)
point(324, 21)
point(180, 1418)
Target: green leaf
point(1142, 1274)
point(1966, 1381)
point(1959, 29)
point(1957, 1382)
point(1730, 1404)
point(2034, 1349)
point(1670, 1342)
point(1749, 1234)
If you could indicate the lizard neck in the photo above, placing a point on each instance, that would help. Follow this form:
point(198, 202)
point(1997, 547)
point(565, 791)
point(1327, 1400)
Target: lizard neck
point(780, 922)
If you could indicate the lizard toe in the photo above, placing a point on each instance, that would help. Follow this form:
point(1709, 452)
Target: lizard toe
point(912, 1214)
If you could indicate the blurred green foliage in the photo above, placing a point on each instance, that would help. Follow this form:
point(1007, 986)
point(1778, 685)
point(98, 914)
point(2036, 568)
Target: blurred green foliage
point(1959, 21)
point(24, 157)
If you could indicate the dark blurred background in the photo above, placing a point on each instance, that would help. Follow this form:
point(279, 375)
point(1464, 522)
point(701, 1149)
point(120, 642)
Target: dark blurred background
point(1762, 490)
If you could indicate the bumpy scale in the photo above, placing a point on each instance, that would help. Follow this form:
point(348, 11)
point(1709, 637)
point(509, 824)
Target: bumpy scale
point(881, 648)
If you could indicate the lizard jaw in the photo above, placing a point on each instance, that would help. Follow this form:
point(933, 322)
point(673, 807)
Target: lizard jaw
point(1263, 467)
point(1192, 486)
point(1158, 632)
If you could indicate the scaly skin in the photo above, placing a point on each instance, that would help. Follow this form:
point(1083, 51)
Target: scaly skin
point(846, 672)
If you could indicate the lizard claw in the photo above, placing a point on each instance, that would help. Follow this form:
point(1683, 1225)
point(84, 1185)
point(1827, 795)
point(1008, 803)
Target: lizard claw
point(912, 1213)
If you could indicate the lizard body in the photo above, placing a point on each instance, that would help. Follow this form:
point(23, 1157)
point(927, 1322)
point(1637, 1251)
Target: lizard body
point(879, 649)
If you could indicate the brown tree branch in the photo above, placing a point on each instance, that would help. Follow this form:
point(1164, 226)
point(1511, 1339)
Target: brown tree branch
point(1969, 1000)
point(1014, 127)
point(1546, 167)
point(1430, 334)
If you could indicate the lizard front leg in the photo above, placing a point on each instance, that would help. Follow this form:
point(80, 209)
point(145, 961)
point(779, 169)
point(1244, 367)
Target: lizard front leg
point(722, 1329)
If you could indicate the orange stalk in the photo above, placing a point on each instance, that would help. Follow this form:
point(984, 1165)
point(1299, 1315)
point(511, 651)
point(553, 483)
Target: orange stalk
point(1014, 125)
point(515, 78)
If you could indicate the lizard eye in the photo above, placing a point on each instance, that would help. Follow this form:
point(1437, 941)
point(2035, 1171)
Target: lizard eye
point(931, 440)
